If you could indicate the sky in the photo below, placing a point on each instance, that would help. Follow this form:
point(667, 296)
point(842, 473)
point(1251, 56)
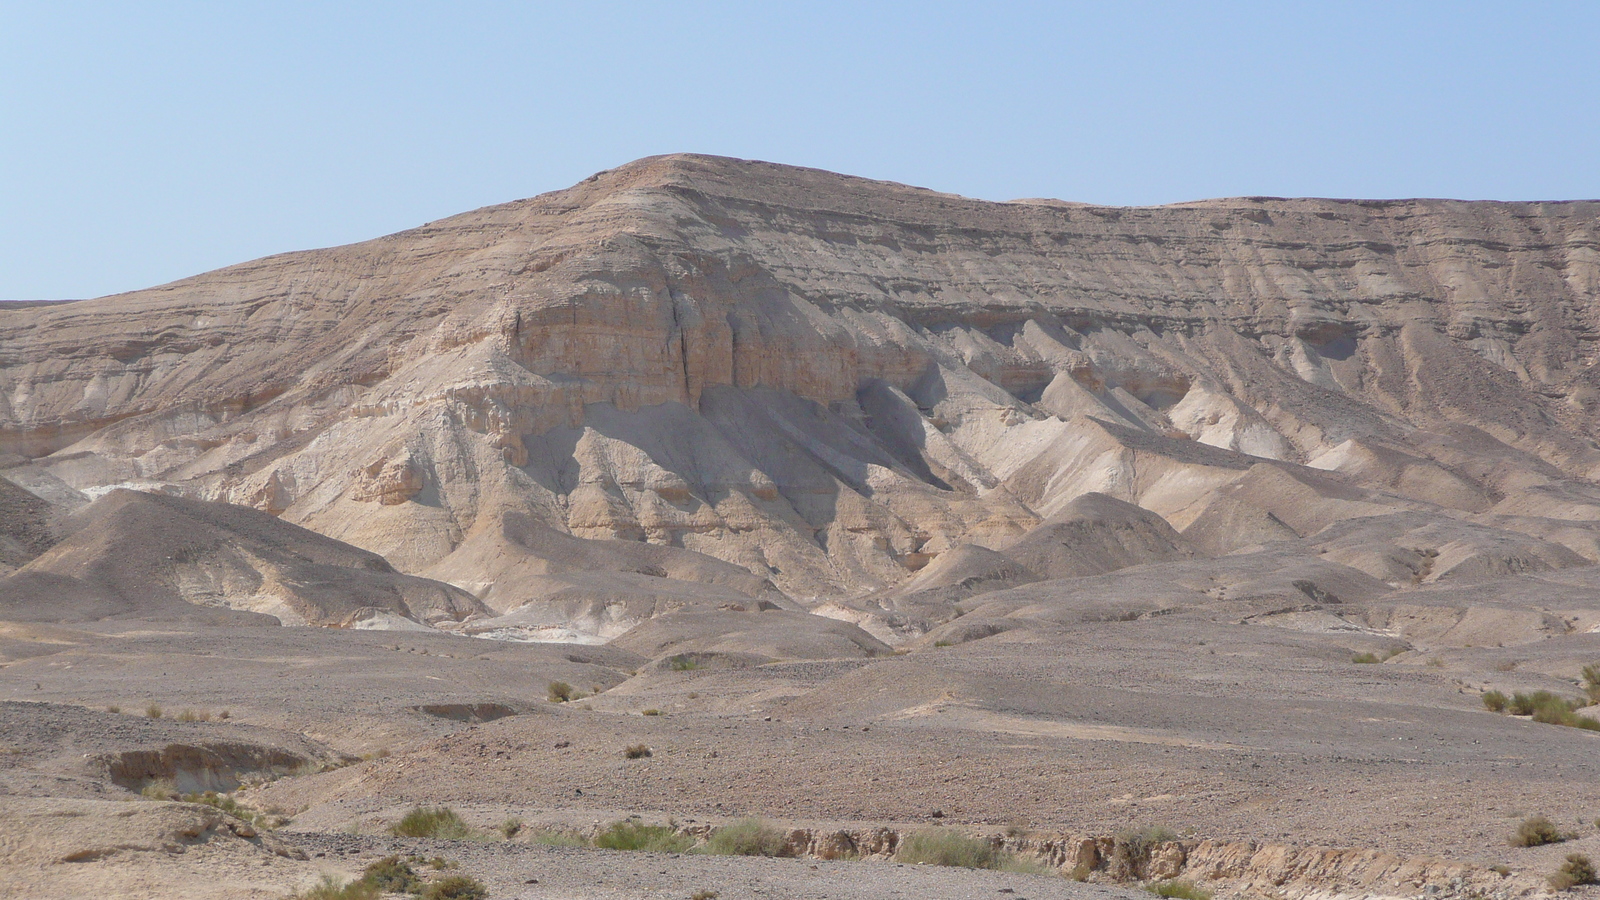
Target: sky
point(141, 143)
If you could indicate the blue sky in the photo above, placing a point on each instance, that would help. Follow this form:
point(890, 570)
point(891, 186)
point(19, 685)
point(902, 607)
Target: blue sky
point(140, 143)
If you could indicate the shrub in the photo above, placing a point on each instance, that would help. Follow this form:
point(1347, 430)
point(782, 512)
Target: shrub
point(636, 751)
point(1578, 869)
point(1536, 831)
point(1181, 890)
point(1365, 659)
point(651, 712)
point(456, 887)
point(684, 663)
point(153, 711)
point(749, 837)
point(940, 847)
point(190, 715)
point(704, 895)
point(629, 835)
point(438, 822)
point(1494, 701)
point(160, 789)
point(393, 875)
point(1591, 682)
point(558, 691)
point(551, 837)
point(231, 806)
point(332, 889)
point(1130, 850)
point(113, 708)
point(510, 828)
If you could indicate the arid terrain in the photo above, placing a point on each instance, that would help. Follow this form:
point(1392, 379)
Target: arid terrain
point(1226, 544)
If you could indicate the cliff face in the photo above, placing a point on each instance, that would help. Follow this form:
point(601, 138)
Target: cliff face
point(828, 381)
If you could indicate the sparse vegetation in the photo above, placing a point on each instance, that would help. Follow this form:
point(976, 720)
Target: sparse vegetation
point(1181, 890)
point(510, 828)
point(113, 708)
point(1130, 850)
point(190, 715)
point(1372, 658)
point(636, 751)
point(1591, 682)
point(1549, 709)
point(232, 807)
point(1494, 701)
point(651, 712)
point(1578, 869)
point(944, 847)
point(559, 691)
point(456, 887)
point(684, 663)
point(943, 644)
point(393, 875)
point(331, 888)
point(551, 837)
point(704, 895)
point(748, 837)
point(152, 711)
point(160, 789)
point(439, 822)
point(1536, 831)
point(630, 835)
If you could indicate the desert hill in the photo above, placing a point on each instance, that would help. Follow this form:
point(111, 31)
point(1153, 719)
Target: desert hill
point(825, 382)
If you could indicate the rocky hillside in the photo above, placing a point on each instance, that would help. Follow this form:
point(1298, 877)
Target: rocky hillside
point(777, 382)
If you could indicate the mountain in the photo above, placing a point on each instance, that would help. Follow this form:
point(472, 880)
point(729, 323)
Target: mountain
point(775, 381)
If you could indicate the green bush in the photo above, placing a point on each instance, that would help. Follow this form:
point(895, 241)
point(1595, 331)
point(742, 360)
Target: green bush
point(638, 836)
point(231, 806)
point(1578, 869)
point(941, 847)
point(332, 888)
point(456, 887)
point(636, 751)
point(1130, 850)
point(439, 822)
point(684, 663)
point(160, 789)
point(748, 838)
point(1591, 682)
point(1536, 831)
point(1180, 890)
point(1494, 701)
point(1365, 659)
point(392, 875)
point(558, 691)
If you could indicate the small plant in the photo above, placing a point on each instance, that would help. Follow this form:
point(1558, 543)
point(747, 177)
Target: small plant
point(1500, 870)
point(1130, 850)
point(629, 835)
point(551, 837)
point(1365, 659)
point(393, 875)
point(1536, 831)
point(510, 828)
point(941, 847)
point(439, 822)
point(749, 837)
point(684, 663)
point(331, 888)
point(558, 691)
point(1578, 869)
point(1181, 890)
point(152, 711)
point(636, 751)
point(190, 715)
point(1494, 701)
point(1435, 662)
point(1591, 682)
point(113, 708)
point(944, 643)
point(651, 712)
point(704, 895)
point(232, 807)
point(456, 887)
point(160, 789)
